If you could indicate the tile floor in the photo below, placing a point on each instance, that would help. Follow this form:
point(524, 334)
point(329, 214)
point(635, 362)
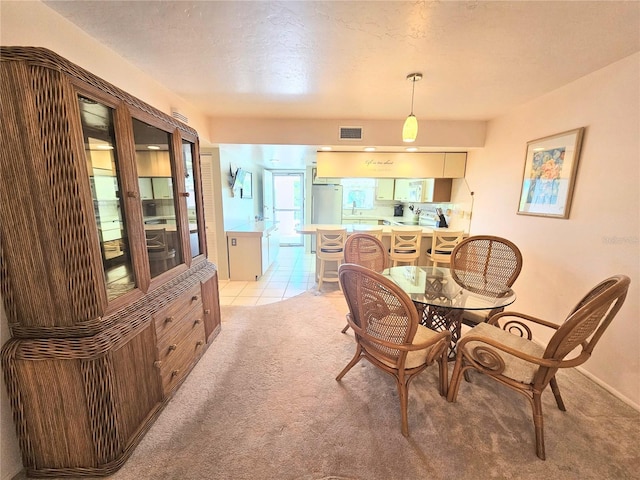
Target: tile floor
point(291, 274)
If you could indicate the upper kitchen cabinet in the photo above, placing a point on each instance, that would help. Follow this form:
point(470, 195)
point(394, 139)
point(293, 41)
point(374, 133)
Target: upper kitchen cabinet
point(430, 190)
point(455, 165)
point(401, 189)
point(384, 188)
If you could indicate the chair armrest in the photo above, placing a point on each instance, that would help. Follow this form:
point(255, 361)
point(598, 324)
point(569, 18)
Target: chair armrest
point(517, 327)
point(470, 337)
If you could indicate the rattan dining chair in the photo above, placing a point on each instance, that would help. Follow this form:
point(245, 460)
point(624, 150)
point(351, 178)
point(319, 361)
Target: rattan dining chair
point(485, 264)
point(375, 232)
point(509, 355)
point(387, 332)
point(405, 245)
point(443, 242)
point(366, 250)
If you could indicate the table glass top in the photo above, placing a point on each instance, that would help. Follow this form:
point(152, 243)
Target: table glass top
point(435, 286)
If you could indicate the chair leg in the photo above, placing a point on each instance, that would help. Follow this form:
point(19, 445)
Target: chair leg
point(346, 327)
point(321, 274)
point(538, 424)
point(444, 374)
point(454, 385)
point(403, 393)
point(556, 393)
point(356, 358)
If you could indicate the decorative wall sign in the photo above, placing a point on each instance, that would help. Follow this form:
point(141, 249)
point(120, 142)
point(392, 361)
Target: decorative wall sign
point(549, 174)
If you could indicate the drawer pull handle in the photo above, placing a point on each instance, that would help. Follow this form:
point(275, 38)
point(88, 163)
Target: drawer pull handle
point(157, 363)
point(197, 321)
point(199, 343)
point(207, 311)
point(168, 320)
point(194, 298)
point(175, 373)
point(173, 347)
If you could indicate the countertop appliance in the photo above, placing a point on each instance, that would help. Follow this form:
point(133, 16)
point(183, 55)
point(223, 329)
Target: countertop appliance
point(398, 210)
point(326, 206)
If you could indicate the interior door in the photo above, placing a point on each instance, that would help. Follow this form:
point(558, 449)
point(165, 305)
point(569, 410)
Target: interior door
point(288, 206)
point(267, 196)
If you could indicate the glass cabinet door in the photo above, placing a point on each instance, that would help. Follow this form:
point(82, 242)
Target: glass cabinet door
point(192, 207)
point(153, 160)
point(102, 165)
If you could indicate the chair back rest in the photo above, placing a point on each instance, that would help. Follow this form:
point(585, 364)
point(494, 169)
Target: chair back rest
point(444, 241)
point(330, 240)
point(374, 232)
point(381, 310)
point(157, 240)
point(589, 318)
point(486, 264)
point(366, 250)
point(405, 242)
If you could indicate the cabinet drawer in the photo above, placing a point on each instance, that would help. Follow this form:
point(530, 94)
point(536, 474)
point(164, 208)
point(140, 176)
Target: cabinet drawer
point(182, 325)
point(166, 319)
point(177, 359)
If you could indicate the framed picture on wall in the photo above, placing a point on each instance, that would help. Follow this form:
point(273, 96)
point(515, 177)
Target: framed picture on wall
point(246, 189)
point(549, 174)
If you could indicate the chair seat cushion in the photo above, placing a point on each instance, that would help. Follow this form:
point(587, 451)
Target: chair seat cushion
point(440, 252)
point(514, 367)
point(416, 358)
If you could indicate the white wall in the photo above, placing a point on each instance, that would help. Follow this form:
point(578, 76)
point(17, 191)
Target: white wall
point(563, 259)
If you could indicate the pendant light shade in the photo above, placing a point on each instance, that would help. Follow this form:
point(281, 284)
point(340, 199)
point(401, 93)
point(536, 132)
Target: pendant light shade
point(410, 128)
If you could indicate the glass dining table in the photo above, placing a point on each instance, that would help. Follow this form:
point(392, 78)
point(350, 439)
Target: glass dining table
point(441, 301)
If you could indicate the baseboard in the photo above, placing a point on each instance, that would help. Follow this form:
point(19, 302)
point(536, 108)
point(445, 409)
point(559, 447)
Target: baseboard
point(609, 389)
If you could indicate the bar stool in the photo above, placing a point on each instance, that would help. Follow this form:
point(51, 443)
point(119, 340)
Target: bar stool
point(405, 246)
point(442, 244)
point(374, 232)
point(329, 248)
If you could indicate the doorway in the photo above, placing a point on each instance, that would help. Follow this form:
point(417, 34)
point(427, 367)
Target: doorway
point(288, 209)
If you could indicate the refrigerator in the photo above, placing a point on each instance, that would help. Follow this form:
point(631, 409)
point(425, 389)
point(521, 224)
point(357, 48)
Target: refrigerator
point(326, 207)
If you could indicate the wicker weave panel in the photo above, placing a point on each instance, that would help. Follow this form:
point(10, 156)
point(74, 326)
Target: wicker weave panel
point(61, 433)
point(55, 280)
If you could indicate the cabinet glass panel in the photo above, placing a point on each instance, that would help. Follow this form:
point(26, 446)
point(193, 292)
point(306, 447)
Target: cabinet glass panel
point(153, 160)
point(102, 165)
point(192, 207)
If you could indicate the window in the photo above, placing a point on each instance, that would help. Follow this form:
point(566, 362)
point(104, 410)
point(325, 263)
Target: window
point(362, 191)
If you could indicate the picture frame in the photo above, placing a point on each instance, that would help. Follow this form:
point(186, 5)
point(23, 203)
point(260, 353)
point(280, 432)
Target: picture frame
point(549, 175)
point(246, 189)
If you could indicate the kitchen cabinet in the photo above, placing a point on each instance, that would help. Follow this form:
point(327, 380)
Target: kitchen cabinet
point(153, 163)
point(384, 188)
point(146, 188)
point(455, 165)
point(162, 187)
point(401, 189)
point(430, 190)
point(95, 335)
point(252, 250)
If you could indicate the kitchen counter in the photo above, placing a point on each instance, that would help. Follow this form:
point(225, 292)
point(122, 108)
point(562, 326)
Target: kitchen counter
point(252, 229)
point(406, 220)
point(311, 228)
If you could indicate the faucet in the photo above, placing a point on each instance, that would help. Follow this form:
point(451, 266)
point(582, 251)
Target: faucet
point(353, 209)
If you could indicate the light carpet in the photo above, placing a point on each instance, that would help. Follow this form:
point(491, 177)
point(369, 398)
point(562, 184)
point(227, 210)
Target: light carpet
point(263, 404)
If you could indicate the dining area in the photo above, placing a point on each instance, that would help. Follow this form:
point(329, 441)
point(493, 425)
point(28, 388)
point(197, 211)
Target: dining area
point(454, 313)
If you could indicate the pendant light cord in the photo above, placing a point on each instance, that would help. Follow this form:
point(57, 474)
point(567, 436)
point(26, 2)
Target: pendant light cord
point(413, 90)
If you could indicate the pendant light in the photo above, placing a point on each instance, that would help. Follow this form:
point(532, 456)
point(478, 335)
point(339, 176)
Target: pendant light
point(410, 128)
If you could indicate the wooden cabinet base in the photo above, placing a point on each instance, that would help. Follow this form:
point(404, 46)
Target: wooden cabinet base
point(81, 405)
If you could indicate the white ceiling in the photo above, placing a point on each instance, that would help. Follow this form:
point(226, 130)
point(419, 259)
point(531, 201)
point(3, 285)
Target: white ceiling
point(350, 59)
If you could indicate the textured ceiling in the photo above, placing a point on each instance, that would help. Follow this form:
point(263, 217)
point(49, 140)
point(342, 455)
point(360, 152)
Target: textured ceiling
point(349, 59)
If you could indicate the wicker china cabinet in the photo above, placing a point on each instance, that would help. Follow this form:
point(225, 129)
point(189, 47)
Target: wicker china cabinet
point(108, 293)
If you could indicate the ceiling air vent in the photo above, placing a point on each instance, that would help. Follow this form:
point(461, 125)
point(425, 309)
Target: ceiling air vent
point(178, 116)
point(350, 133)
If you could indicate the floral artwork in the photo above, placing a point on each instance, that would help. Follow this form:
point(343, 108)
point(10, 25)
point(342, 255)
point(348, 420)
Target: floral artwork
point(545, 176)
point(549, 174)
